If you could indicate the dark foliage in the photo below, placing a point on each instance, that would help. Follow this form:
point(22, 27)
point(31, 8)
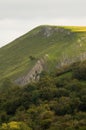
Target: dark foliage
point(54, 103)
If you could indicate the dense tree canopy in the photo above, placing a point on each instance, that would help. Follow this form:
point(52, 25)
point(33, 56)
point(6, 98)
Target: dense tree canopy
point(53, 103)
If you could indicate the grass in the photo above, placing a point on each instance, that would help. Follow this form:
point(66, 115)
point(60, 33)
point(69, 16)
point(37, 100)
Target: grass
point(63, 41)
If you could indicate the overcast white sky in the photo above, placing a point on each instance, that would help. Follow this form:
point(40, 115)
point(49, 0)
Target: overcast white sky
point(19, 16)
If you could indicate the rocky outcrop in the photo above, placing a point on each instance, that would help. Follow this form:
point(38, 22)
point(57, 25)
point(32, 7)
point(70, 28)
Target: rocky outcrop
point(48, 31)
point(32, 75)
point(65, 60)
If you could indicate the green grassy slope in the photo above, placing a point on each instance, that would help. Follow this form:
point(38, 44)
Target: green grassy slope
point(53, 41)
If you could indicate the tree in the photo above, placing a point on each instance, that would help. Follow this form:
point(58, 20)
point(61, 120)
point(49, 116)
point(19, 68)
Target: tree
point(80, 71)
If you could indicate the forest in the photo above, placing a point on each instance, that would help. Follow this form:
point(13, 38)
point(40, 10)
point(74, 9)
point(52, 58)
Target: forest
point(56, 102)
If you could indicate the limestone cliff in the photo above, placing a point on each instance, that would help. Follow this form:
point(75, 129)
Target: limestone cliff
point(32, 75)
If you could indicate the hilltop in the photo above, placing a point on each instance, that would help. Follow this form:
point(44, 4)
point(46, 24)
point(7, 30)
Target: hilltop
point(57, 43)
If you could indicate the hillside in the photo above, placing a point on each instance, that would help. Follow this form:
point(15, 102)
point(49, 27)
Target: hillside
point(57, 43)
point(56, 102)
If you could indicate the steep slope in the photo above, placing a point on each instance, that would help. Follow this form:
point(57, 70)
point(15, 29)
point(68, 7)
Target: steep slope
point(18, 57)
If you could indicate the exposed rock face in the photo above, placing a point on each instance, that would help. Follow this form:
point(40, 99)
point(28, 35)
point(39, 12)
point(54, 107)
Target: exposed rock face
point(48, 31)
point(65, 60)
point(32, 75)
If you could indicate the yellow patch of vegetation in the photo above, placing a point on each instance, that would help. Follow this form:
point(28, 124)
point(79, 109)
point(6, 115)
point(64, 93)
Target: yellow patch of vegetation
point(76, 28)
point(13, 125)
